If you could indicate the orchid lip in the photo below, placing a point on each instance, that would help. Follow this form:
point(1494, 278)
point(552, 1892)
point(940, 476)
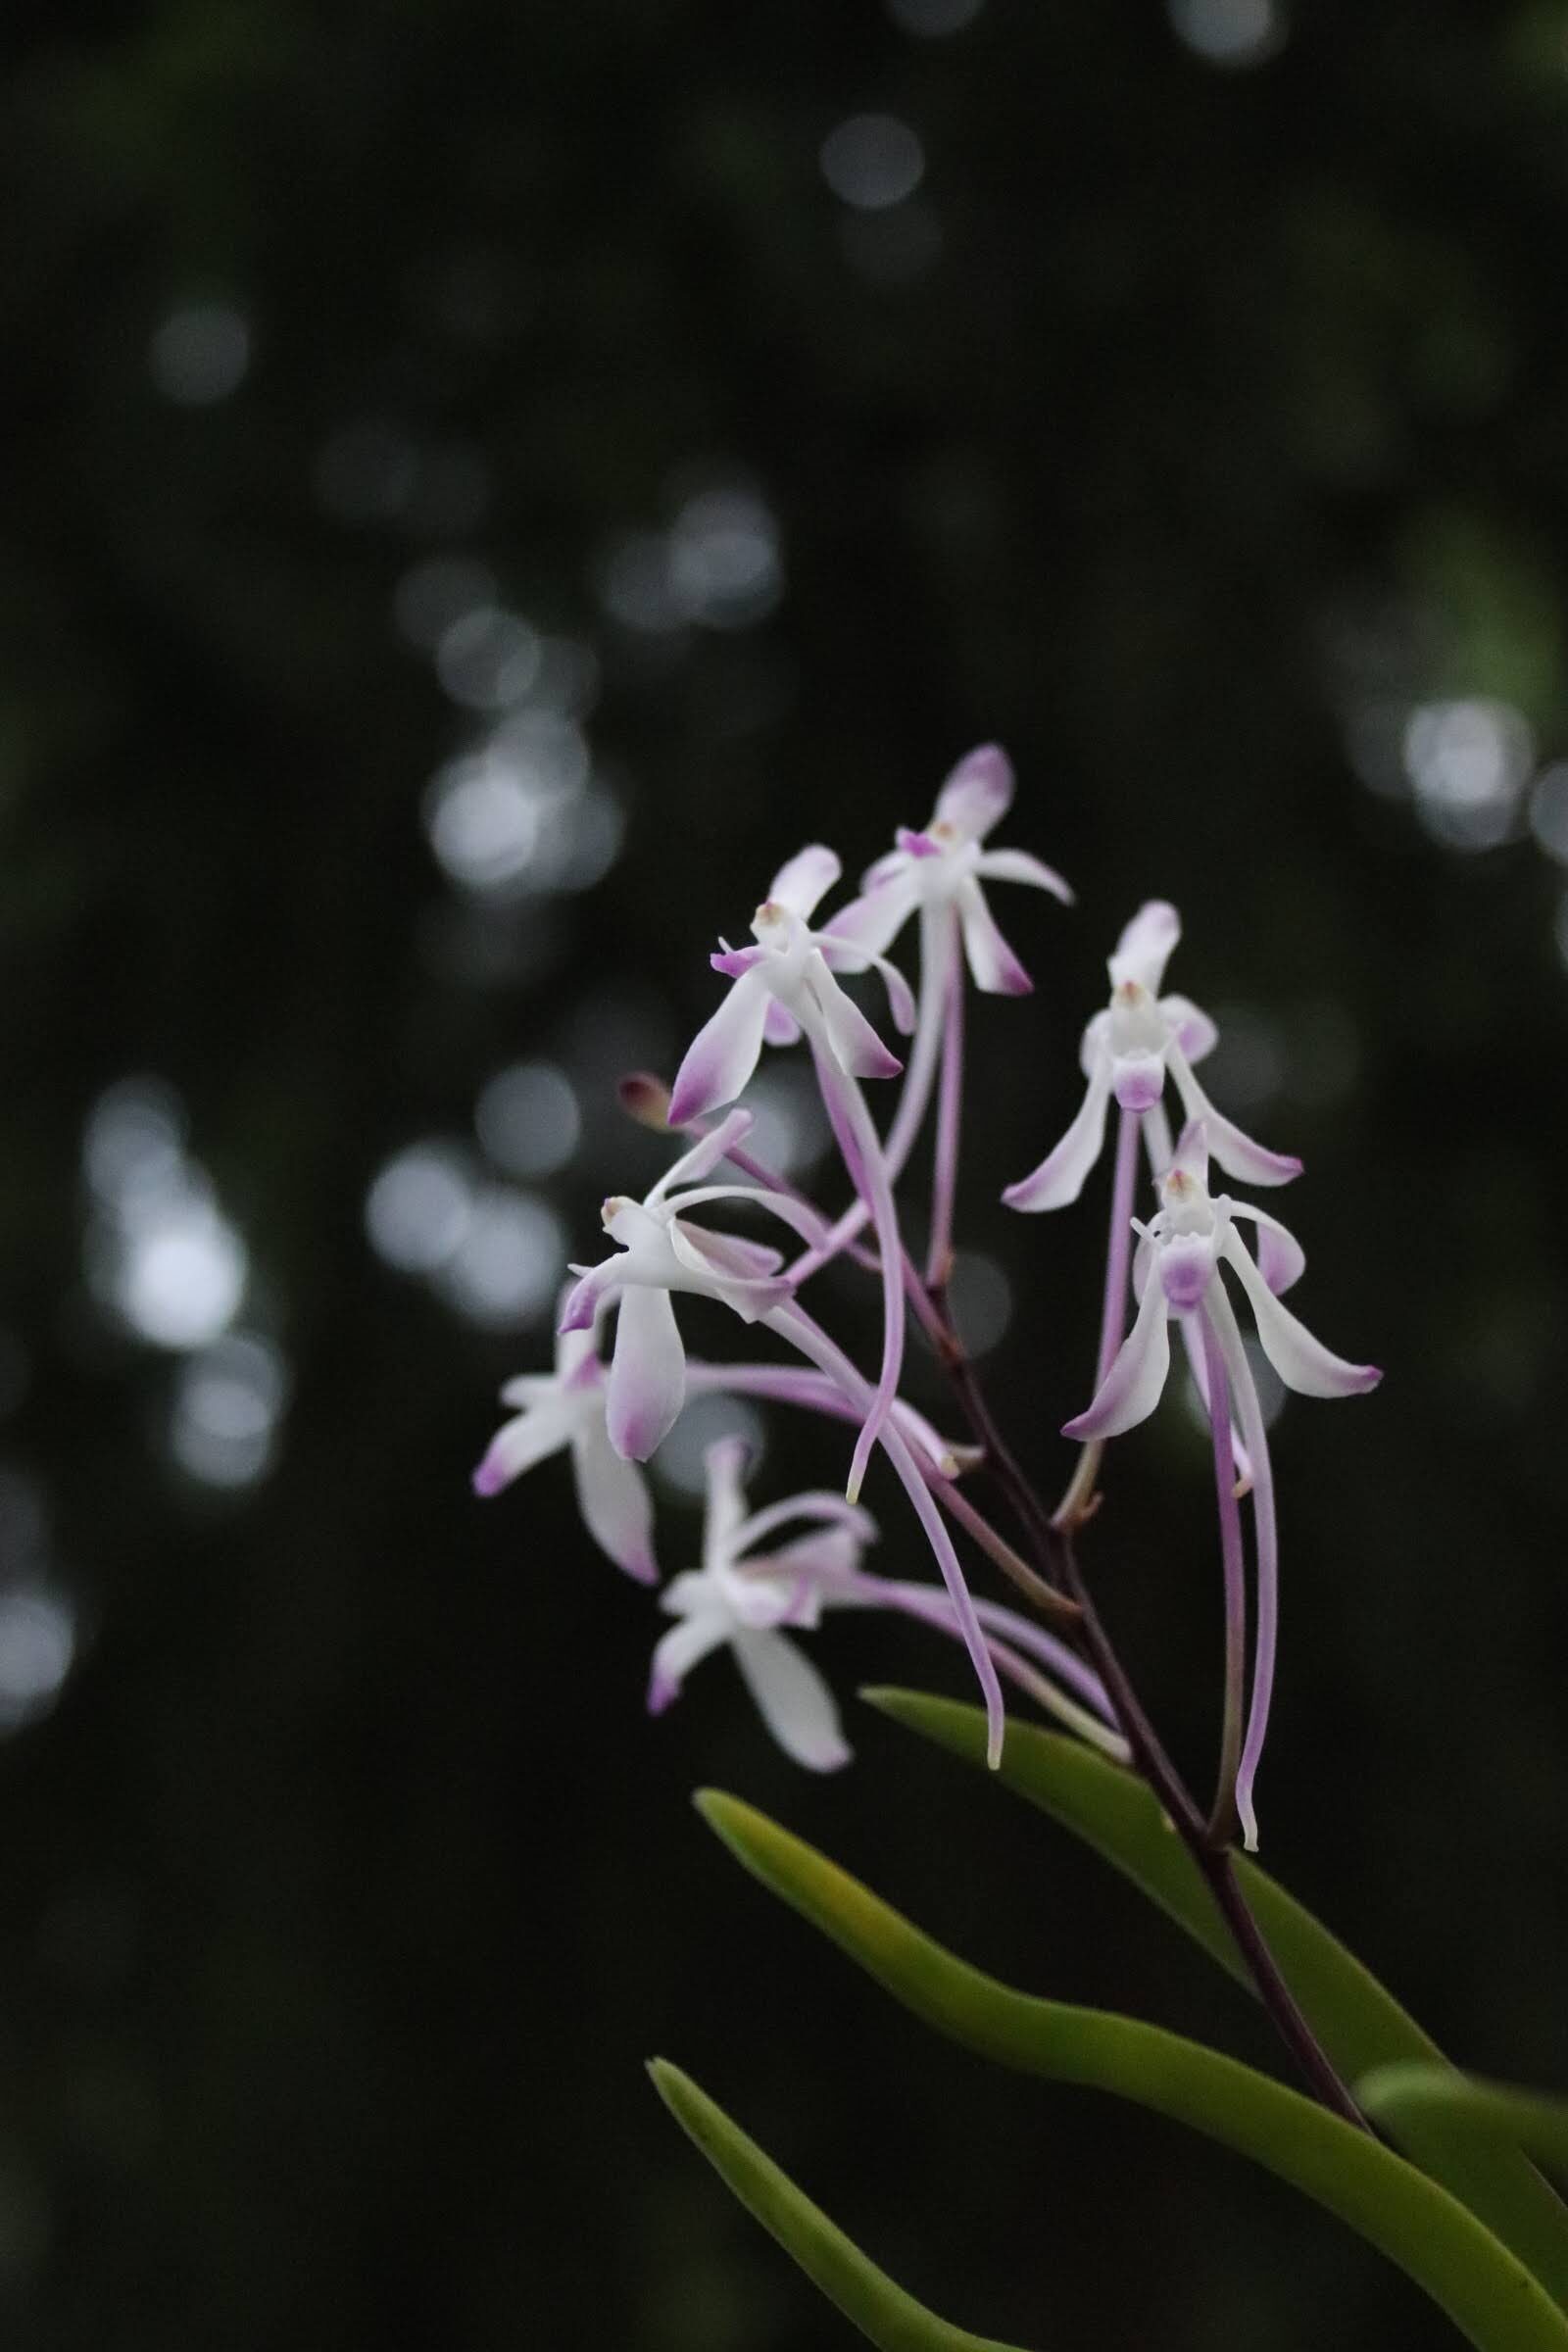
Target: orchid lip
point(1184, 1286)
point(1138, 1088)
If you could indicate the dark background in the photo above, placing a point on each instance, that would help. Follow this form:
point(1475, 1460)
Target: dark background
point(1196, 425)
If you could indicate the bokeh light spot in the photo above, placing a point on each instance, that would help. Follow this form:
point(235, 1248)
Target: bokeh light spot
point(366, 471)
point(980, 1294)
point(933, 20)
point(417, 1209)
point(38, 1643)
point(431, 596)
point(680, 1462)
point(200, 354)
point(506, 1270)
point(229, 1402)
point(1549, 811)
point(1468, 763)
point(487, 659)
point(1230, 32)
point(528, 1120)
point(725, 567)
point(872, 160)
point(161, 1257)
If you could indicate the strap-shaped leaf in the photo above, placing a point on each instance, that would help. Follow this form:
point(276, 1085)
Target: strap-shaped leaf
point(1358, 2022)
point(864, 2294)
point(1483, 2287)
point(1469, 2107)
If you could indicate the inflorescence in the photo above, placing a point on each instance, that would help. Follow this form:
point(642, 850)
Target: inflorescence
point(771, 1573)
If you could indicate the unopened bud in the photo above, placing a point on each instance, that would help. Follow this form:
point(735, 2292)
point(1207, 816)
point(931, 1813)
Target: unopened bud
point(646, 1099)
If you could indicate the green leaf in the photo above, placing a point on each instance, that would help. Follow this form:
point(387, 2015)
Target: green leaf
point(1358, 2022)
point(1483, 2287)
point(1437, 2097)
point(863, 2293)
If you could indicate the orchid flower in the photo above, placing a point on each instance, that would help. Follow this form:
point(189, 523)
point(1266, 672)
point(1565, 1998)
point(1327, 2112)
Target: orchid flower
point(567, 1408)
point(1176, 1271)
point(944, 867)
point(1183, 1247)
point(1127, 1051)
point(747, 1594)
point(661, 1251)
point(784, 987)
point(939, 873)
point(784, 984)
point(744, 1596)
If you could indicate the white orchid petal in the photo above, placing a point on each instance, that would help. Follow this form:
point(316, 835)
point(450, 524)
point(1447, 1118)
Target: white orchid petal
point(702, 1158)
point(647, 1385)
point(575, 1350)
point(1236, 1153)
point(1301, 1361)
point(595, 1286)
point(725, 1464)
point(1018, 866)
point(793, 1699)
point(1061, 1176)
point(1196, 1033)
point(996, 968)
point(978, 793)
point(829, 1557)
point(833, 1509)
point(719, 1061)
point(1094, 1047)
point(1190, 1155)
point(679, 1651)
point(803, 879)
point(1281, 1259)
point(1192, 1344)
point(842, 955)
point(779, 1025)
point(1145, 946)
point(873, 921)
point(855, 1044)
point(1132, 1387)
point(518, 1445)
point(720, 1266)
point(528, 1387)
point(799, 1215)
point(614, 1499)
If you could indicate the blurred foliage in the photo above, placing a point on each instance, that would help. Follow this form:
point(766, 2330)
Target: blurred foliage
point(1197, 426)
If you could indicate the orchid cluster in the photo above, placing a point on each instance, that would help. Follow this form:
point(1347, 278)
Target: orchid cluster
point(771, 1574)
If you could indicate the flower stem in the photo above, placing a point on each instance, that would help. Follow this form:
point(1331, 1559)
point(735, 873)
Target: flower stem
point(1057, 1561)
point(1078, 1503)
point(861, 1149)
point(1222, 1821)
point(938, 955)
point(1216, 1861)
point(819, 1394)
point(794, 1324)
point(1265, 1531)
point(949, 1107)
